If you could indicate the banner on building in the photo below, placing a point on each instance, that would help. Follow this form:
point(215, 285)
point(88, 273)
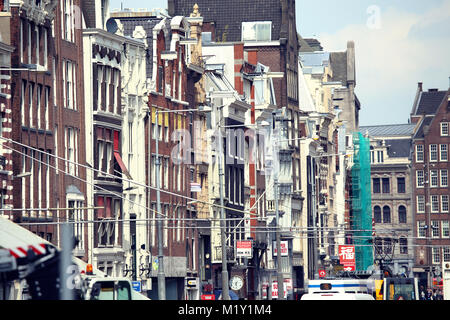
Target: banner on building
point(347, 257)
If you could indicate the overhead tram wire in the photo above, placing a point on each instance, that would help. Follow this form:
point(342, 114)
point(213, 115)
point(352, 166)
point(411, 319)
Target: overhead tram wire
point(96, 186)
point(117, 177)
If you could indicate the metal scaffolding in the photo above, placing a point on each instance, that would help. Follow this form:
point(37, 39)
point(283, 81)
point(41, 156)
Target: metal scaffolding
point(361, 202)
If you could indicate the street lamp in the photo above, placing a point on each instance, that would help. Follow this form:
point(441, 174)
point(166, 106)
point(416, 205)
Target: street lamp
point(161, 274)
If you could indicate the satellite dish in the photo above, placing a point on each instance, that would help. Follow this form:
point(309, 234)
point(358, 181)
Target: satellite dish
point(111, 25)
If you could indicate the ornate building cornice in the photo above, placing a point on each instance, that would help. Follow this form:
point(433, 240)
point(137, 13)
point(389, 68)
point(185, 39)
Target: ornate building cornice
point(36, 11)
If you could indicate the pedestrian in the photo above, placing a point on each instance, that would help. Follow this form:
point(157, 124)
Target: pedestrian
point(422, 293)
point(429, 294)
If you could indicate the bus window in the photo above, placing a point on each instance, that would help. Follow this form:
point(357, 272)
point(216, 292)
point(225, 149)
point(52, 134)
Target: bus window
point(123, 291)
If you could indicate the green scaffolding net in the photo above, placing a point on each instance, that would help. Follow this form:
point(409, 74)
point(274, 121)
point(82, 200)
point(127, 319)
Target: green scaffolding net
point(361, 202)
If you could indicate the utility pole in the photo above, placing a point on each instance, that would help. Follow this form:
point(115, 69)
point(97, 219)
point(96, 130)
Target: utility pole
point(161, 275)
point(280, 279)
point(225, 291)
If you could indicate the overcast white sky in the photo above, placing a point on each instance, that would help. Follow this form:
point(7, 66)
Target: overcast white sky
point(398, 43)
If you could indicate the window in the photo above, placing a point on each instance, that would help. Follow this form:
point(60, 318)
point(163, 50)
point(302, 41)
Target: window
point(75, 214)
point(444, 178)
point(436, 255)
point(38, 35)
point(402, 218)
point(434, 203)
point(434, 181)
point(421, 230)
point(444, 152)
point(445, 230)
point(22, 101)
point(386, 214)
point(377, 214)
point(444, 203)
point(446, 254)
point(380, 156)
point(71, 150)
point(435, 229)
point(376, 185)
point(419, 153)
point(30, 104)
point(420, 178)
point(39, 96)
point(46, 106)
point(401, 186)
point(21, 41)
point(420, 203)
point(444, 128)
point(403, 245)
point(433, 152)
point(257, 31)
point(386, 185)
point(29, 43)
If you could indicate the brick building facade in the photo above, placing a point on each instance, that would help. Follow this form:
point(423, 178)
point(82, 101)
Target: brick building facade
point(430, 196)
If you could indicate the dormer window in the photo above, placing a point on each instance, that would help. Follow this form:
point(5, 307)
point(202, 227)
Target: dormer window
point(257, 31)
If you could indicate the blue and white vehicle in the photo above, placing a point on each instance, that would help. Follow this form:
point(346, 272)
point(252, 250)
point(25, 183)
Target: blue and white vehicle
point(352, 286)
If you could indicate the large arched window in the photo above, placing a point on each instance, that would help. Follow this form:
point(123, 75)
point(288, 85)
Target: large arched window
point(377, 214)
point(402, 214)
point(386, 214)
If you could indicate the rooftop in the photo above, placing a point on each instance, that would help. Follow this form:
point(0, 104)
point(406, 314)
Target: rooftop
point(389, 130)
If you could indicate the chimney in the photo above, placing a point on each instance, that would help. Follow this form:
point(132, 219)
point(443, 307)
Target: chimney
point(419, 85)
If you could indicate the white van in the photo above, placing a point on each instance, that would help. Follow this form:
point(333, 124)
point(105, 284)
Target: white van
point(337, 296)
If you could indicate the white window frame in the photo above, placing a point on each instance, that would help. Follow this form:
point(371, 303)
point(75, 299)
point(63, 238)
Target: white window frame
point(433, 148)
point(435, 228)
point(444, 126)
point(29, 43)
point(420, 177)
point(420, 203)
point(434, 178)
point(436, 255)
point(446, 254)
point(444, 178)
point(38, 105)
point(46, 105)
point(443, 150)
point(22, 101)
point(445, 203)
point(445, 229)
point(434, 200)
point(419, 151)
point(38, 40)
point(421, 231)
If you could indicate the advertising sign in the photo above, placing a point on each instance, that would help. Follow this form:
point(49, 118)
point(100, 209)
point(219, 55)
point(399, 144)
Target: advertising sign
point(322, 273)
point(244, 249)
point(275, 290)
point(347, 257)
point(284, 248)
